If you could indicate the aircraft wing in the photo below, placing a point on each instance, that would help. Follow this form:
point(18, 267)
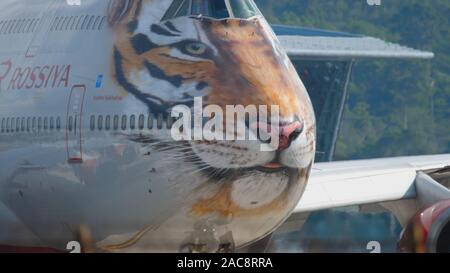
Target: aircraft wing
point(340, 184)
point(303, 42)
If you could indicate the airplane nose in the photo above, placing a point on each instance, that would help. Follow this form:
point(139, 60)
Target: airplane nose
point(287, 132)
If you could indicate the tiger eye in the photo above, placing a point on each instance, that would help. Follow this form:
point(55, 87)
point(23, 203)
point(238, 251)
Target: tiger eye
point(196, 48)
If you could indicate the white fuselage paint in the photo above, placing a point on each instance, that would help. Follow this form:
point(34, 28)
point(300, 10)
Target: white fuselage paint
point(126, 193)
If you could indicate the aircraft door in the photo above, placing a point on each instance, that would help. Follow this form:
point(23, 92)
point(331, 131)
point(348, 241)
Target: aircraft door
point(74, 136)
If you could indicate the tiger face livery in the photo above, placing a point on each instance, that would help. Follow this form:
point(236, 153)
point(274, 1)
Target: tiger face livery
point(226, 62)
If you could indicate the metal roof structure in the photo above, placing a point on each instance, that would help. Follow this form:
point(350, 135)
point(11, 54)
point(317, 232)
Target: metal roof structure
point(284, 30)
point(317, 43)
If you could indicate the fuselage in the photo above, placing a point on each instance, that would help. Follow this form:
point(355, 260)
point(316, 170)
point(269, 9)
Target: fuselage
point(79, 149)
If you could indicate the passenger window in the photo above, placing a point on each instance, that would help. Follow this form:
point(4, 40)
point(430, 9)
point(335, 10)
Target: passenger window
point(39, 123)
point(34, 124)
point(91, 20)
point(2, 26)
point(26, 26)
point(17, 125)
point(23, 25)
point(75, 21)
point(14, 27)
point(150, 121)
point(97, 20)
point(8, 29)
point(62, 23)
point(159, 122)
point(107, 123)
point(11, 26)
point(79, 21)
point(100, 122)
point(170, 121)
point(36, 22)
point(55, 24)
point(28, 124)
point(92, 123)
point(12, 124)
point(45, 123)
point(86, 18)
point(3, 125)
point(70, 23)
point(52, 123)
point(116, 122)
point(141, 122)
point(7, 125)
point(102, 22)
point(11, 29)
point(70, 123)
point(132, 122)
point(22, 125)
point(124, 122)
point(7, 24)
point(5, 27)
point(30, 25)
point(17, 26)
point(58, 123)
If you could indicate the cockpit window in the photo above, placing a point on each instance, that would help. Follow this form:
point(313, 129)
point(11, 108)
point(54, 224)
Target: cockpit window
point(175, 9)
point(217, 9)
point(243, 8)
point(210, 8)
point(184, 9)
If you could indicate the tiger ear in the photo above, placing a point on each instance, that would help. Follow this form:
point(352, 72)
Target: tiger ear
point(118, 10)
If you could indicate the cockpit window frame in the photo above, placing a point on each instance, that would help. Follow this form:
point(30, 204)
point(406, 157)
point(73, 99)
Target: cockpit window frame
point(254, 6)
point(225, 2)
point(168, 16)
point(230, 10)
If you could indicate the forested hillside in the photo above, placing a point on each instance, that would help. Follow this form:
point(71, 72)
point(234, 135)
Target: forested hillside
point(394, 107)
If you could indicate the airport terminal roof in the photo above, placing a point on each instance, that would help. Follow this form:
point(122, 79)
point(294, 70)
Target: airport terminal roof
point(318, 43)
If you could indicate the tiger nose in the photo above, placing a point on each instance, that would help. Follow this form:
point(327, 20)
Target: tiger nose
point(287, 132)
